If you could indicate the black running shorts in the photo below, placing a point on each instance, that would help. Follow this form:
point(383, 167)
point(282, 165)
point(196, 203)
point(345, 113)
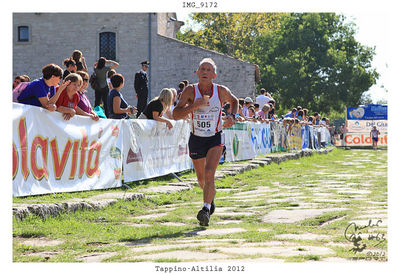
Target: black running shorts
point(199, 146)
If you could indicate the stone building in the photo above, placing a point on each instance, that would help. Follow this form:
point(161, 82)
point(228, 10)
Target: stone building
point(128, 38)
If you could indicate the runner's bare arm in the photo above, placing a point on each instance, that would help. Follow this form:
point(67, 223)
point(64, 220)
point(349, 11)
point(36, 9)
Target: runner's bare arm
point(186, 104)
point(228, 97)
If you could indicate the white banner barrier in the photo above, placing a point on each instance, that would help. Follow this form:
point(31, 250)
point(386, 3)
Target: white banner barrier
point(54, 155)
point(151, 150)
point(261, 137)
point(238, 142)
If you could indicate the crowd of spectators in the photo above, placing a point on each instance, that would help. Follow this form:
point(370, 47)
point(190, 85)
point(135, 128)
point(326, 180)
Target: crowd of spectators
point(65, 91)
point(262, 109)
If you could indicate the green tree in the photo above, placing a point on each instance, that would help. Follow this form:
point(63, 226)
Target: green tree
point(230, 33)
point(313, 60)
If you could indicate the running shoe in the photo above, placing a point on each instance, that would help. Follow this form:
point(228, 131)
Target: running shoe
point(204, 216)
point(212, 208)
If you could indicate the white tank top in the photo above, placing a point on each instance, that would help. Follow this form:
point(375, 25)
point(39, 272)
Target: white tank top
point(206, 120)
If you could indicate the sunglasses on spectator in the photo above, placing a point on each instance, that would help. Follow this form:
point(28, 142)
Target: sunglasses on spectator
point(86, 79)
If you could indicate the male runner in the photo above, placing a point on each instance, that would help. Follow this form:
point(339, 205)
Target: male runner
point(204, 101)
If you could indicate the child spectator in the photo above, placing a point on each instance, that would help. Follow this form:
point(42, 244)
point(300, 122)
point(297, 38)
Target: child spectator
point(42, 92)
point(71, 67)
point(159, 105)
point(84, 102)
point(17, 80)
point(168, 113)
point(67, 103)
point(117, 106)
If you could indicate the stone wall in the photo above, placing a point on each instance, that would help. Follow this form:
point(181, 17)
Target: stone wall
point(54, 36)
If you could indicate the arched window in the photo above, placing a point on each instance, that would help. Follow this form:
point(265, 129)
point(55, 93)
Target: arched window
point(108, 45)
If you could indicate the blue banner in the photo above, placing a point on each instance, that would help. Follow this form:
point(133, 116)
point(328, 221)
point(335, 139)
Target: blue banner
point(367, 112)
point(305, 136)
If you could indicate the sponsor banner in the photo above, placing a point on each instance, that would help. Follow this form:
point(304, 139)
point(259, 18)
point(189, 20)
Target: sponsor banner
point(365, 126)
point(367, 112)
point(294, 141)
point(238, 142)
point(151, 150)
point(314, 138)
point(50, 154)
point(278, 137)
point(363, 139)
point(305, 136)
point(261, 137)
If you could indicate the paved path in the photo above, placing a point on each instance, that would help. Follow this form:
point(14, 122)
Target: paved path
point(326, 214)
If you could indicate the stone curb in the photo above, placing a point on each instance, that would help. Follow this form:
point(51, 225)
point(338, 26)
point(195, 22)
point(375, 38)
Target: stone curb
point(21, 211)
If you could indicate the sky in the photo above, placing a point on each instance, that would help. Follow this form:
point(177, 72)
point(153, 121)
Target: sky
point(372, 32)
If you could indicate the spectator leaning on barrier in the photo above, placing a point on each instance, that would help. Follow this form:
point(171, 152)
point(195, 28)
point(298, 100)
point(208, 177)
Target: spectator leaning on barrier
point(67, 103)
point(300, 115)
point(263, 113)
point(84, 102)
point(291, 114)
point(27, 78)
point(117, 106)
point(247, 102)
point(252, 114)
point(158, 106)
point(168, 113)
point(42, 92)
point(17, 80)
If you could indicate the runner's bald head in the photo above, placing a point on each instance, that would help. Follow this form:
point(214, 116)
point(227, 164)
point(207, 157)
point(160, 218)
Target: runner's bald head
point(209, 61)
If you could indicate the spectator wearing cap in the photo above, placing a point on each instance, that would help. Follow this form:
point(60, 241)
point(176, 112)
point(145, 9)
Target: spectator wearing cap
point(263, 99)
point(141, 87)
point(246, 106)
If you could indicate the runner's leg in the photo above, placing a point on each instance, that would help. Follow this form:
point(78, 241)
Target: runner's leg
point(212, 161)
point(199, 167)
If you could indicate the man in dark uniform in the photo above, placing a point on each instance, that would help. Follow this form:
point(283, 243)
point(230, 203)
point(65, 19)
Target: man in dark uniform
point(141, 87)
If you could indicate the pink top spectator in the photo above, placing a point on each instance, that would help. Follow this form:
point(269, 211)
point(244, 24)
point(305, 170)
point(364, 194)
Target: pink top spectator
point(262, 114)
point(84, 102)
